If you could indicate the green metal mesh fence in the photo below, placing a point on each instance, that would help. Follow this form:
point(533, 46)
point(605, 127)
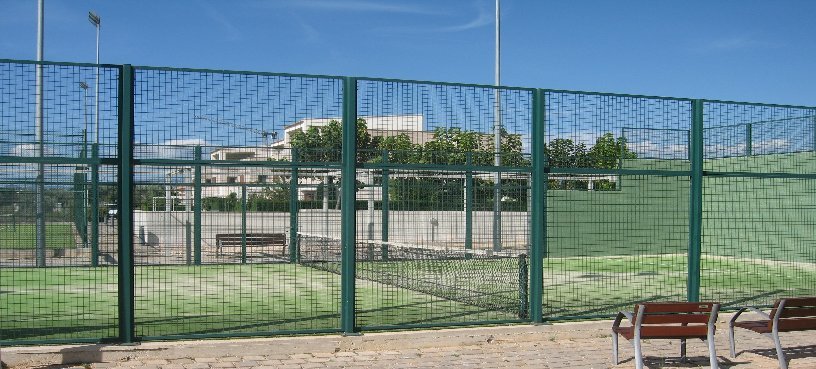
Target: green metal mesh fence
point(220, 202)
point(238, 203)
point(431, 156)
point(617, 202)
point(758, 203)
point(50, 287)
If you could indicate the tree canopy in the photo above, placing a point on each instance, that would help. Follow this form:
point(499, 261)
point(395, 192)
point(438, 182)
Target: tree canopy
point(453, 146)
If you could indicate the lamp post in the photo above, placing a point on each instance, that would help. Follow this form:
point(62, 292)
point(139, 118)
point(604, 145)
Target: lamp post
point(38, 134)
point(497, 128)
point(97, 22)
point(84, 87)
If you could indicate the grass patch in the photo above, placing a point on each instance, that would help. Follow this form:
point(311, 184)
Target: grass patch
point(23, 236)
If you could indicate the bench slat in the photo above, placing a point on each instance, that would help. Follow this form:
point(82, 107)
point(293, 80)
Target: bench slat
point(679, 307)
point(800, 302)
point(797, 324)
point(675, 318)
point(797, 312)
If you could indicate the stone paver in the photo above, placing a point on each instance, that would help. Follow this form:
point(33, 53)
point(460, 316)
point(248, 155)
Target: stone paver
point(558, 346)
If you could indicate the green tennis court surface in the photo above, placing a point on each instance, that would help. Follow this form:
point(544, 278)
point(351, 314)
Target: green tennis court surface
point(75, 303)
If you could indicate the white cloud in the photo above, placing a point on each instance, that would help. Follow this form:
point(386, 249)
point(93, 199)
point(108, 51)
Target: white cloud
point(362, 6)
point(30, 151)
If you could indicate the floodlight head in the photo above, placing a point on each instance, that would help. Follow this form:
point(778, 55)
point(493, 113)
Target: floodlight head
point(83, 85)
point(95, 20)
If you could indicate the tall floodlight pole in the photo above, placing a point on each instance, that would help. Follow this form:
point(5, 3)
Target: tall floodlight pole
point(38, 134)
point(84, 87)
point(497, 128)
point(97, 22)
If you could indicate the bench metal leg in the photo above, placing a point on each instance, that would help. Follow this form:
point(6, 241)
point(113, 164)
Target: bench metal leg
point(638, 353)
point(712, 353)
point(783, 362)
point(683, 350)
point(731, 343)
point(614, 348)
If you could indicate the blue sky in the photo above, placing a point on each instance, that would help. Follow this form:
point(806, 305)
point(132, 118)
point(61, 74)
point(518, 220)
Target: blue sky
point(736, 50)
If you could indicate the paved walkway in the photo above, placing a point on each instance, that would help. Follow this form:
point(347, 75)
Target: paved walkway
point(557, 346)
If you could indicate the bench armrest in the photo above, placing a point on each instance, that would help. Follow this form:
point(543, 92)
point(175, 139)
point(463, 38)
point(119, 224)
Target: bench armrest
point(751, 308)
point(621, 315)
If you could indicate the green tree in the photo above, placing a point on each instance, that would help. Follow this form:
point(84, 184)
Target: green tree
point(400, 149)
point(608, 152)
point(564, 153)
point(325, 144)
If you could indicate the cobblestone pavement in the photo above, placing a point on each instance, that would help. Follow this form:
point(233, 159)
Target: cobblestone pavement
point(557, 346)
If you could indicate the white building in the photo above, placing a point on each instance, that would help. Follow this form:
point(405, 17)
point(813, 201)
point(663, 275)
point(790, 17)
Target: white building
point(220, 179)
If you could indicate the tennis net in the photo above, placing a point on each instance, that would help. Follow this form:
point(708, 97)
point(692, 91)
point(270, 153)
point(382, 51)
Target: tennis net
point(491, 280)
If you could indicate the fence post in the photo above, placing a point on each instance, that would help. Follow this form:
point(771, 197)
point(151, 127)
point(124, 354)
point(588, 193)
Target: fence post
point(294, 253)
point(695, 201)
point(243, 224)
point(348, 215)
point(538, 216)
point(95, 205)
point(197, 207)
point(749, 139)
point(385, 207)
point(468, 205)
point(188, 242)
point(125, 223)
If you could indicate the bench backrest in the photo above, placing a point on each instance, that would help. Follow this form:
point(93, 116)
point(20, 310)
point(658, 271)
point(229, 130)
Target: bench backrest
point(796, 313)
point(251, 238)
point(675, 312)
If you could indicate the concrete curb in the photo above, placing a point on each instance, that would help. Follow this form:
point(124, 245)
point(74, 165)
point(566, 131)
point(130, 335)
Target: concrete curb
point(378, 341)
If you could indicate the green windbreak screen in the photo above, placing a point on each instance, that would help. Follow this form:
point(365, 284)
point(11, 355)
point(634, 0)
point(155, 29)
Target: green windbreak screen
point(57, 267)
point(227, 174)
point(615, 239)
point(758, 205)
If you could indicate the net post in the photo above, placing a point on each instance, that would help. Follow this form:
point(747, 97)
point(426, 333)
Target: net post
point(95, 205)
point(524, 284)
point(538, 216)
point(695, 200)
point(348, 212)
point(197, 207)
point(243, 224)
point(125, 223)
point(385, 207)
point(469, 205)
point(188, 242)
point(293, 209)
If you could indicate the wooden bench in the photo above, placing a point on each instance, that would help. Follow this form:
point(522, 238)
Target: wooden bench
point(667, 320)
point(223, 240)
point(787, 315)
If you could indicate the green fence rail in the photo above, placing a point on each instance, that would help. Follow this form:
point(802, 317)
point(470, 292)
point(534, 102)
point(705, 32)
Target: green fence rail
point(207, 203)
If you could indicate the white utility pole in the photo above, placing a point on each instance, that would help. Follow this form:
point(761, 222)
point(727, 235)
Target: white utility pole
point(497, 128)
point(97, 22)
point(38, 134)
